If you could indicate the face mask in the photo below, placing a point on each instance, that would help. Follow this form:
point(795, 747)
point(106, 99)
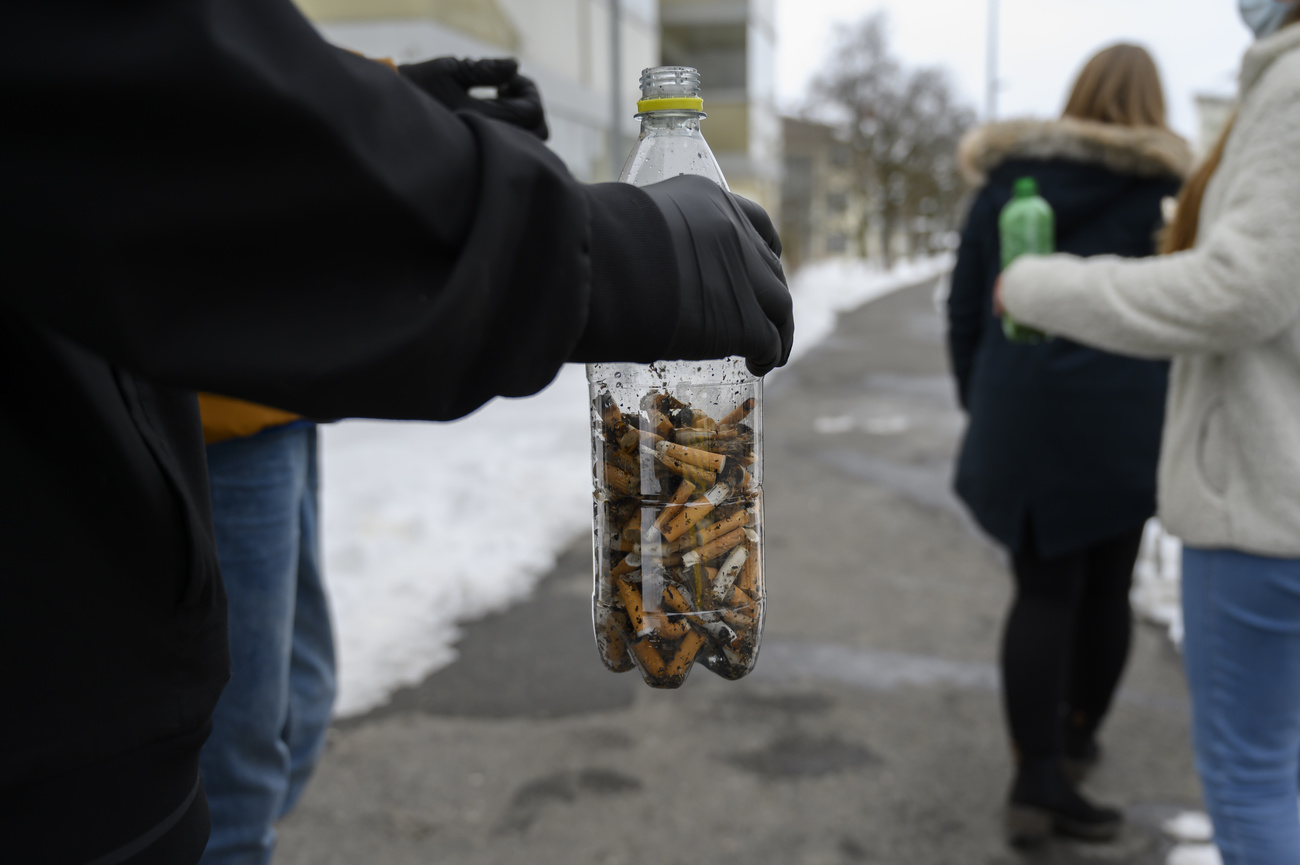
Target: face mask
point(1263, 16)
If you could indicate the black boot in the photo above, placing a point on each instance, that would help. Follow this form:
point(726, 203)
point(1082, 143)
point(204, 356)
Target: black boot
point(1082, 751)
point(1080, 759)
point(1044, 802)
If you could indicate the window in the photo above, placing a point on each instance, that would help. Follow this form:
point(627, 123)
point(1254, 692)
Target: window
point(717, 50)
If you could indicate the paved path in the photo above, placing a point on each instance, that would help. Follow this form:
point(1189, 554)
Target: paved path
point(870, 731)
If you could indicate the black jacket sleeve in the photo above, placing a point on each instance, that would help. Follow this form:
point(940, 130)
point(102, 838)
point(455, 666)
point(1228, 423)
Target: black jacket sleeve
point(971, 292)
point(209, 195)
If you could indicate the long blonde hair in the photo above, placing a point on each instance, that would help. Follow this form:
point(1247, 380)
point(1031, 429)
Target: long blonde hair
point(1180, 234)
point(1119, 85)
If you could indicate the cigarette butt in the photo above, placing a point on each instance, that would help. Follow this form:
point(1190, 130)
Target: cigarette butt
point(719, 630)
point(730, 569)
point(699, 420)
point(739, 413)
point(747, 579)
point(685, 654)
point(691, 514)
point(658, 422)
point(737, 620)
point(741, 431)
point(675, 505)
point(634, 438)
point(630, 563)
point(662, 401)
point(621, 509)
point(676, 601)
point(610, 414)
point(624, 538)
point(692, 456)
point(741, 611)
point(623, 460)
point(691, 437)
point(610, 625)
point(631, 596)
point(739, 597)
point(735, 520)
point(696, 475)
point(715, 548)
point(735, 476)
point(661, 629)
point(697, 577)
point(620, 481)
point(651, 661)
point(666, 558)
point(694, 511)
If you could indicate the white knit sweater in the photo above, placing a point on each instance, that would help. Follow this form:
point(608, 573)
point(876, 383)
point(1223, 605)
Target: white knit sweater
point(1227, 312)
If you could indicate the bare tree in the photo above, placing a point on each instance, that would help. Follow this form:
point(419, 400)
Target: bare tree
point(903, 126)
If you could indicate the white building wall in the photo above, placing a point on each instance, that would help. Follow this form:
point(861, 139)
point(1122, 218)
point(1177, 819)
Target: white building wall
point(564, 45)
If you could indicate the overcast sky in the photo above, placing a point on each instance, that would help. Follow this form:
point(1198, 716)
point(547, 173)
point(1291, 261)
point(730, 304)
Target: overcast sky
point(1197, 43)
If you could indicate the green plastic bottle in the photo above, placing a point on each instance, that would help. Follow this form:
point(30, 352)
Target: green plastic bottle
point(1027, 226)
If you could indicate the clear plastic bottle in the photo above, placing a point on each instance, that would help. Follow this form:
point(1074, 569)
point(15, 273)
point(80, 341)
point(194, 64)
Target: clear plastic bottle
point(677, 466)
point(1026, 226)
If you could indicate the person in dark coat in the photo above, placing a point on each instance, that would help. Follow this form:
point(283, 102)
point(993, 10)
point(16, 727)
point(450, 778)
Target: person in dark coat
point(1058, 461)
point(204, 195)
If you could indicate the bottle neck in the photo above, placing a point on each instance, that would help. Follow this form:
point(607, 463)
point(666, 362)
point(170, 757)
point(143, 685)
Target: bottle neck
point(671, 122)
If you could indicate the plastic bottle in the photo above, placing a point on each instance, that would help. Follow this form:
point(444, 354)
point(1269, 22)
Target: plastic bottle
point(1026, 226)
point(677, 466)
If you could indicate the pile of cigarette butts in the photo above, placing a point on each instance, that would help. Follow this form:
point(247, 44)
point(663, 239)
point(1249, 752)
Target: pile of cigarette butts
point(677, 539)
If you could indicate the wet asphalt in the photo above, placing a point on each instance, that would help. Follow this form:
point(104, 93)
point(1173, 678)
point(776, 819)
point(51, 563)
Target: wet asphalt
point(870, 731)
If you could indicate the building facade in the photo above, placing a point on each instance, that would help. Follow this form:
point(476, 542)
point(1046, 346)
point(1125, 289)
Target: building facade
point(820, 212)
point(733, 44)
point(566, 46)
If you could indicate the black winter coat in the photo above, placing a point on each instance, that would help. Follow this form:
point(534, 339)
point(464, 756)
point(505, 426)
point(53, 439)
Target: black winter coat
point(202, 194)
point(1060, 436)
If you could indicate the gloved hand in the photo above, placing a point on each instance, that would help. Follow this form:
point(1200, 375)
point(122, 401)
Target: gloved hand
point(723, 292)
point(449, 79)
point(734, 294)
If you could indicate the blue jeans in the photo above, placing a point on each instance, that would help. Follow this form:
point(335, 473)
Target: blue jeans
point(270, 723)
point(1242, 653)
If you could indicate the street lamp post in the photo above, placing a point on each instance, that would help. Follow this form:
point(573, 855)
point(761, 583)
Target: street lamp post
point(615, 85)
point(991, 68)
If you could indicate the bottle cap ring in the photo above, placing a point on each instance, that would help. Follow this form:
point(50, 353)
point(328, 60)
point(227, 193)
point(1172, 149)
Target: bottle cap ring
point(677, 104)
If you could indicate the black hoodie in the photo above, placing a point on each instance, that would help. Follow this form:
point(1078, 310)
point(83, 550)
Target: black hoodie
point(1062, 436)
point(202, 194)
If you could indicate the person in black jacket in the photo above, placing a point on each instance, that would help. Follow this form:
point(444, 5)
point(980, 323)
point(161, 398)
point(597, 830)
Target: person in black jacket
point(270, 725)
point(204, 195)
point(1058, 461)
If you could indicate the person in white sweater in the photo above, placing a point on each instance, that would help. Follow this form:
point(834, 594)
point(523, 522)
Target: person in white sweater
point(1225, 306)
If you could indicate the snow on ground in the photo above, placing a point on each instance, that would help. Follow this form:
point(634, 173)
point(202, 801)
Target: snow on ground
point(429, 525)
point(822, 291)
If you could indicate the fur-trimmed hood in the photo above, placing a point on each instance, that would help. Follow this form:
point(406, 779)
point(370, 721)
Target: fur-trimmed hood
point(1140, 151)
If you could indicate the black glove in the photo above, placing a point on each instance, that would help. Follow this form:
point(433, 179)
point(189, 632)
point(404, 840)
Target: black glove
point(734, 294)
point(709, 287)
point(448, 80)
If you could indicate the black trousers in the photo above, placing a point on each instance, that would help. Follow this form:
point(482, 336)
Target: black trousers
point(1066, 642)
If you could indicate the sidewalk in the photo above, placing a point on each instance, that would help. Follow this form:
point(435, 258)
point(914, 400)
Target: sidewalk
point(870, 731)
